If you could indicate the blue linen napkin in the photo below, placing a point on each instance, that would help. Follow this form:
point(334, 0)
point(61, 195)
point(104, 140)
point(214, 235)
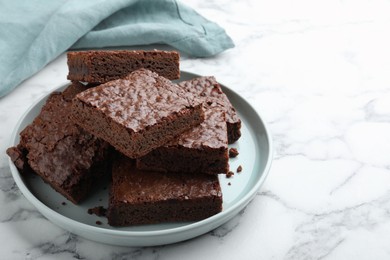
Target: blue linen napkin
point(34, 32)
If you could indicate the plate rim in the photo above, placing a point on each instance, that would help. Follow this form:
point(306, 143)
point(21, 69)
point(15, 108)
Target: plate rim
point(227, 214)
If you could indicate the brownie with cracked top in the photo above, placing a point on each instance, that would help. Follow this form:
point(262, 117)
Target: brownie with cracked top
point(203, 149)
point(208, 88)
point(105, 65)
point(63, 154)
point(138, 197)
point(138, 113)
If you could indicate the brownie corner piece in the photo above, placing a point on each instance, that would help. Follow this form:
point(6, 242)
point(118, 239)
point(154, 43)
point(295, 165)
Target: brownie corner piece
point(210, 90)
point(138, 113)
point(18, 155)
point(62, 154)
point(138, 197)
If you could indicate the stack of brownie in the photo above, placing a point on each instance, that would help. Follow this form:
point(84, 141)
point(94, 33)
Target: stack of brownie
point(165, 143)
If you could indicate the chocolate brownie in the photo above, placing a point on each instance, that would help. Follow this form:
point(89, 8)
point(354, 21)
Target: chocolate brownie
point(211, 91)
point(63, 154)
point(104, 66)
point(138, 113)
point(138, 197)
point(203, 149)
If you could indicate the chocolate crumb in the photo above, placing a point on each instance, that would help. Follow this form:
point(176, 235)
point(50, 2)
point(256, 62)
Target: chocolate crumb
point(233, 152)
point(98, 211)
point(229, 183)
point(239, 169)
point(229, 174)
point(99, 222)
point(63, 203)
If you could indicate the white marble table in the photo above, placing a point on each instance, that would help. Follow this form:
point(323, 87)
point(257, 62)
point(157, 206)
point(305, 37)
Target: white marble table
point(319, 74)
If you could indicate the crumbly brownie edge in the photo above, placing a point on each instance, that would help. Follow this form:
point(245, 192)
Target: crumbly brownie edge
point(234, 131)
point(204, 84)
point(79, 191)
point(18, 157)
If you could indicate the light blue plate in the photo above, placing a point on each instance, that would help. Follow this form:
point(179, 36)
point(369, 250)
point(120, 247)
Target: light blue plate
point(254, 146)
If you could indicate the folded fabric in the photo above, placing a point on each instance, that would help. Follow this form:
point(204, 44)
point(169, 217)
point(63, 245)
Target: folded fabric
point(35, 32)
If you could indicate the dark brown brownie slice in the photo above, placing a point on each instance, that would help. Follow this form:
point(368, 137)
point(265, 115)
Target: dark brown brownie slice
point(104, 66)
point(138, 113)
point(138, 197)
point(203, 149)
point(63, 154)
point(210, 90)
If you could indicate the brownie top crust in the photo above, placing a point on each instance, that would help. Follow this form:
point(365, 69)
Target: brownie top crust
point(208, 88)
point(139, 99)
point(211, 133)
point(136, 186)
